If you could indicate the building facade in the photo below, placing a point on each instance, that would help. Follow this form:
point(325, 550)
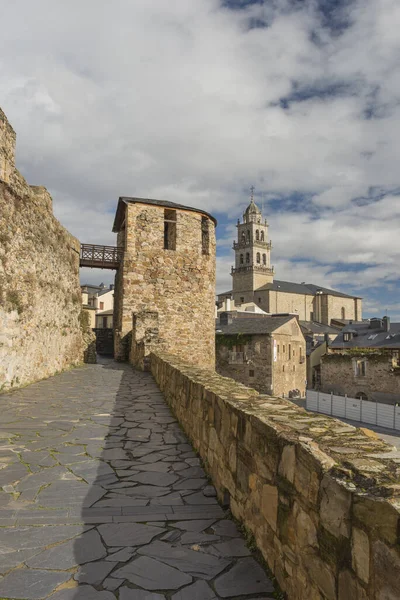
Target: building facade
point(165, 286)
point(364, 362)
point(266, 353)
point(253, 280)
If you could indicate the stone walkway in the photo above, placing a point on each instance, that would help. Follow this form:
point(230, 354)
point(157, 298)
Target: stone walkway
point(102, 498)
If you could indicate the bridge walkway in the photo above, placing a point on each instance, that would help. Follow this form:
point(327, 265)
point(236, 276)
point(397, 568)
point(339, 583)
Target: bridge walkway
point(103, 498)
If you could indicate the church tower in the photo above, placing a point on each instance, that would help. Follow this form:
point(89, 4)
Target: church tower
point(252, 267)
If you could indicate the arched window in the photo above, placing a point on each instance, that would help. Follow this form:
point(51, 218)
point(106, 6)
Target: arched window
point(258, 258)
point(247, 257)
point(343, 313)
point(248, 235)
point(243, 236)
point(264, 259)
point(262, 236)
point(257, 235)
point(241, 259)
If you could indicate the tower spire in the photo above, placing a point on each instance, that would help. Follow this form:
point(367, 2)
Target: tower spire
point(252, 193)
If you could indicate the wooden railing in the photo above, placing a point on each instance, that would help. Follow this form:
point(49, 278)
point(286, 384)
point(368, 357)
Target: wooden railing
point(101, 257)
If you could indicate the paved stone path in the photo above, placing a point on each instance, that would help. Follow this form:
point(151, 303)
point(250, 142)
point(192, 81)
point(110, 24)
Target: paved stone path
point(102, 497)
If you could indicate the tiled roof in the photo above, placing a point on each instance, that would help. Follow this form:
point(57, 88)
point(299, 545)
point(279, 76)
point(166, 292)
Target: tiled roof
point(261, 325)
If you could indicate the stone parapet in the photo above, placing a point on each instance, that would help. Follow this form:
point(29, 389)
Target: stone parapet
point(321, 498)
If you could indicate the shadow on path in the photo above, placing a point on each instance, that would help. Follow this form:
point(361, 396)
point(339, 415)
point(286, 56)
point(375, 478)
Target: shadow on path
point(104, 498)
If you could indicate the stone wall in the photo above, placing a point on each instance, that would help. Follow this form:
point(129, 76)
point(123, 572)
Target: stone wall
point(176, 284)
point(40, 298)
point(381, 382)
point(319, 496)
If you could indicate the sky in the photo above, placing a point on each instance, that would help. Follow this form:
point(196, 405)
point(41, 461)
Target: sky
point(194, 101)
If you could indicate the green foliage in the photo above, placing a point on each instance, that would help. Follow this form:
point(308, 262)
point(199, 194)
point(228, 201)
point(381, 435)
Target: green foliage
point(84, 319)
point(229, 341)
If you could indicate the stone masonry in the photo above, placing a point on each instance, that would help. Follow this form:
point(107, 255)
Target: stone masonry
point(321, 498)
point(40, 301)
point(104, 498)
point(165, 295)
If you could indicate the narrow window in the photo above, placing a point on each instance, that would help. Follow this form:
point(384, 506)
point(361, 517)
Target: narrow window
point(264, 259)
point(241, 299)
point(243, 237)
point(257, 235)
point(247, 258)
point(241, 259)
point(283, 368)
point(104, 322)
point(258, 258)
point(259, 300)
point(205, 236)
point(101, 305)
point(248, 235)
point(278, 348)
point(284, 348)
point(262, 236)
point(251, 373)
point(343, 313)
point(169, 229)
point(290, 351)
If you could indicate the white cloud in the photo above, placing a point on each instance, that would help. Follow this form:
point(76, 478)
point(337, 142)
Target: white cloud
point(180, 100)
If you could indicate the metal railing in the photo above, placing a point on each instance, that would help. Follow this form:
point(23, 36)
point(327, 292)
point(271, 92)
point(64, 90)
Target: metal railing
point(102, 257)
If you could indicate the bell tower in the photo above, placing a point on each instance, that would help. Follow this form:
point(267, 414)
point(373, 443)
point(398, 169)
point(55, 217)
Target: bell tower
point(252, 249)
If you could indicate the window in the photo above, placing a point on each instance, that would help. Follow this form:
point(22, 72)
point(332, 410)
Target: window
point(241, 259)
point(241, 299)
point(247, 258)
point(251, 373)
point(311, 316)
point(258, 258)
point(169, 229)
point(101, 305)
point(205, 236)
point(257, 235)
point(243, 237)
point(360, 367)
point(264, 259)
point(347, 337)
point(278, 348)
point(262, 236)
point(290, 351)
point(284, 348)
point(283, 368)
point(104, 322)
point(248, 235)
point(294, 351)
point(294, 367)
point(343, 313)
point(259, 300)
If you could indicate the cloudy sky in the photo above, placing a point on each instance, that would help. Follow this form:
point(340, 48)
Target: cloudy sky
point(196, 100)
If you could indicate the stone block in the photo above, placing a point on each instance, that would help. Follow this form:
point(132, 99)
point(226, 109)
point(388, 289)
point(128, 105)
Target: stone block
point(335, 507)
point(386, 567)
point(360, 553)
point(269, 505)
point(287, 463)
point(322, 576)
point(350, 588)
point(378, 516)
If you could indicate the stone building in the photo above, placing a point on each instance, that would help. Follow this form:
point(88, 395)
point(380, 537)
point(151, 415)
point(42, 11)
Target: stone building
point(253, 280)
point(318, 336)
point(364, 362)
point(165, 286)
point(266, 353)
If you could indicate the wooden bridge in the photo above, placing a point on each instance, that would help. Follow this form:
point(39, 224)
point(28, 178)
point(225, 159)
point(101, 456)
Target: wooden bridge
point(100, 257)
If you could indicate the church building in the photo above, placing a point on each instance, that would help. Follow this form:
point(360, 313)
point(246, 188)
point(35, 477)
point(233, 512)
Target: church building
point(253, 280)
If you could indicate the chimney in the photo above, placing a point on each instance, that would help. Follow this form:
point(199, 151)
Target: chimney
point(111, 286)
point(386, 323)
point(228, 304)
point(225, 318)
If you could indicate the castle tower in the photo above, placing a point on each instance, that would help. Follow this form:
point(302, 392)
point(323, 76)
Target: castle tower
point(165, 286)
point(252, 255)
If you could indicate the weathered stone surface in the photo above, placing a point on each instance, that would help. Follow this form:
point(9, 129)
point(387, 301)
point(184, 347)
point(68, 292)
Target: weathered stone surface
point(335, 507)
point(246, 577)
point(94, 573)
point(269, 504)
point(198, 591)
point(360, 553)
point(128, 534)
point(83, 549)
point(130, 594)
point(386, 563)
point(31, 585)
point(350, 589)
point(152, 574)
point(85, 592)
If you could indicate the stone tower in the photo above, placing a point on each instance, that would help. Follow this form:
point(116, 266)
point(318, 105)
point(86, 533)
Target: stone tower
point(252, 255)
point(165, 287)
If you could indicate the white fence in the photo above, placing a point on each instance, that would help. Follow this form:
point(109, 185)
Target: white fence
point(373, 413)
